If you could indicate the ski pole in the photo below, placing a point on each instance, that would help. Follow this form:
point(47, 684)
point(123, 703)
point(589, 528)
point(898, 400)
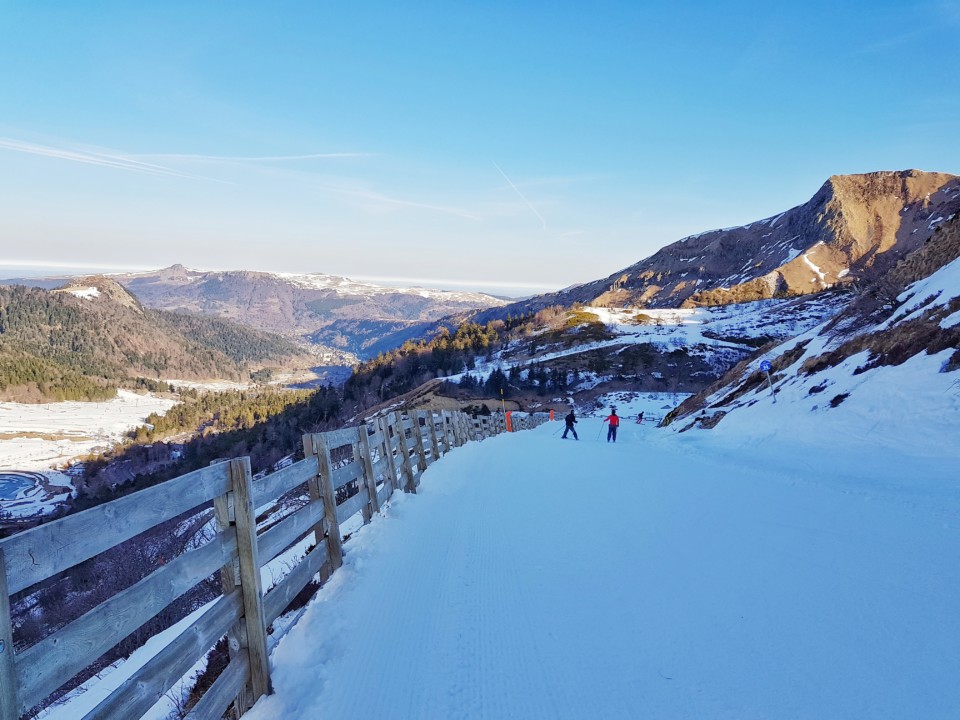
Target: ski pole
point(601, 431)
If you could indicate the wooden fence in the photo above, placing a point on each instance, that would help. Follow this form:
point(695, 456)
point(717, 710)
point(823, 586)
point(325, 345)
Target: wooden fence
point(373, 460)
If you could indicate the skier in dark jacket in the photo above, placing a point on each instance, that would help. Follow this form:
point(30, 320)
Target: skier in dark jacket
point(571, 420)
point(614, 420)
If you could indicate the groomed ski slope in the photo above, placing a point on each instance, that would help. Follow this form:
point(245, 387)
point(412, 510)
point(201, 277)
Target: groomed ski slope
point(666, 576)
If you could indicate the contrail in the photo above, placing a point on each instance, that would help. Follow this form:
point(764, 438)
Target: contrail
point(118, 162)
point(517, 191)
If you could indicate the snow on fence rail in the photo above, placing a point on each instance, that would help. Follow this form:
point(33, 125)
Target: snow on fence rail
point(389, 453)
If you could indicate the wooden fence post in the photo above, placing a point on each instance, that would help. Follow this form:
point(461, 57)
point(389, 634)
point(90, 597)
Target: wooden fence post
point(434, 441)
point(321, 490)
point(444, 425)
point(384, 424)
point(452, 428)
point(418, 439)
point(409, 485)
point(458, 428)
point(229, 581)
point(246, 521)
point(373, 505)
point(8, 672)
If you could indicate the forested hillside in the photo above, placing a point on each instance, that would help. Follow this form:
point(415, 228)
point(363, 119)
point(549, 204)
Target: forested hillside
point(265, 424)
point(57, 346)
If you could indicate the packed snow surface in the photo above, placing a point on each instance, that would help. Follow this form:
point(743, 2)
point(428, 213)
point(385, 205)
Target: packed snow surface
point(694, 575)
point(34, 438)
point(87, 293)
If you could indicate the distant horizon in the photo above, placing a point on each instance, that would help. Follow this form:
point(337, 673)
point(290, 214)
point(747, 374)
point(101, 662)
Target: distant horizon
point(513, 291)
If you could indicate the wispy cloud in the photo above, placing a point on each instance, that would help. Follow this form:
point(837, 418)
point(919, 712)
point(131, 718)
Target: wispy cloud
point(102, 159)
point(381, 199)
point(522, 197)
point(259, 158)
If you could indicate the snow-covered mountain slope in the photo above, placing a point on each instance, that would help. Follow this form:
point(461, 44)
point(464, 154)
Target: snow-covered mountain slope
point(884, 370)
point(655, 350)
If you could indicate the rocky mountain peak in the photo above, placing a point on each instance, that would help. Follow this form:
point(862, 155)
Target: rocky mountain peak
point(855, 228)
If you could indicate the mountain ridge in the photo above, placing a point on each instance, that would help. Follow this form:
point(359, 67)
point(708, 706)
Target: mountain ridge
point(853, 228)
point(78, 341)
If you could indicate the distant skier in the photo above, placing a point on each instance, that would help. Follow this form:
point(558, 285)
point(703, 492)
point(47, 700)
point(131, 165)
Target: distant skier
point(570, 420)
point(614, 422)
point(640, 419)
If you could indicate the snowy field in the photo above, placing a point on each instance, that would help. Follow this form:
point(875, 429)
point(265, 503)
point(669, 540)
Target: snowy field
point(35, 439)
point(688, 327)
point(38, 437)
point(695, 575)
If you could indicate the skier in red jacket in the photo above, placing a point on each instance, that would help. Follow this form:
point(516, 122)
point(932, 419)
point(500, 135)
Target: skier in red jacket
point(614, 420)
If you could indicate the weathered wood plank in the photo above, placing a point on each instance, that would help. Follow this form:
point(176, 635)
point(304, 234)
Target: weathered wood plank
point(140, 691)
point(369, 480)
point(322, 488)
point(384, 493)
point(444, 422)
point(276, 484)
point(376, 437)
point(350, 507)
point(276, 601)
point(338, 438)
point(408, 481)
point(250, 584)
point(218, 696)
point(43, 667)
point(43, 551)
point(288, 531)
point(382, 467)
point(8, 670)
point(418, 439)
point(434, 440)
point(387, 449)
point(229, 580)
point(346, 474)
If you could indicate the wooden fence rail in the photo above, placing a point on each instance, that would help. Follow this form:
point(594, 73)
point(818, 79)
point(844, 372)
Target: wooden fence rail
point(372, 461)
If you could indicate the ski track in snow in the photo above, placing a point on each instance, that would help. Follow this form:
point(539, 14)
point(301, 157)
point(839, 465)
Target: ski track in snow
point(662, 576)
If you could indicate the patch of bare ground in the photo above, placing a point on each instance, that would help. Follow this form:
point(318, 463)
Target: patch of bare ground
point(898, 344)
point(54, 437)
point(760, 288)
point(743, 378)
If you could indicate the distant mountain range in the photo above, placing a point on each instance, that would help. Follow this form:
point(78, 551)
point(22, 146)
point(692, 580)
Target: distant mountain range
point(350, 316)
point(82, 340)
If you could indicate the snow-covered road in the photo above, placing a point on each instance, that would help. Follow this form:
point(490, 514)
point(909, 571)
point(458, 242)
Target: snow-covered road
point(665, 576)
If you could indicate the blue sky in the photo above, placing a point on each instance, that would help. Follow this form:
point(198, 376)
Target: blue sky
point(508, 146)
